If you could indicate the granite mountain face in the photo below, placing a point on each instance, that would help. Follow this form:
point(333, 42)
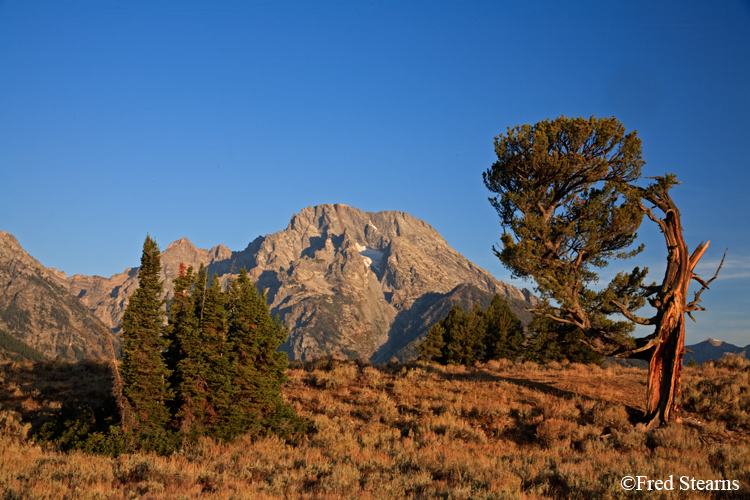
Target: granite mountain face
point(345, 282)
point(36, 307)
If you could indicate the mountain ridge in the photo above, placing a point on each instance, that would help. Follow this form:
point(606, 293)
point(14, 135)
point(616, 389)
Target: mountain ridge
point(37, 309)
point(343, 280)
point(712, 349)
point(346, 282)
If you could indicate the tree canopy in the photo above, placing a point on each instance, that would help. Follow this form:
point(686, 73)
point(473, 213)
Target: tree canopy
point(559, 189)
point(211, 369)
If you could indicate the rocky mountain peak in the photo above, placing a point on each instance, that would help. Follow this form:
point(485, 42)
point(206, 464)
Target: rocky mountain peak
point(9, 245)
point(181, 243)
point(344, 281)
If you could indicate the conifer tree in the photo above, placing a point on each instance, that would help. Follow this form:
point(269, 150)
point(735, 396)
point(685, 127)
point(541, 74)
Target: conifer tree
point(559, 186)
point(566, 189)
point(182, 322)
point(551, 340)
point(217, 368)
point(481, 335)
point(432, 347)
point(504, 331)
point(464, 336)
point(199, 292)
point(260, 367)
point(203, 370)
point(183, 354)
point(144, 373)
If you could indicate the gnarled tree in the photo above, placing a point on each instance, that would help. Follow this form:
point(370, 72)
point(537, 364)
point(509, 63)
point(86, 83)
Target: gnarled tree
point(566, 191)
point(667, 344)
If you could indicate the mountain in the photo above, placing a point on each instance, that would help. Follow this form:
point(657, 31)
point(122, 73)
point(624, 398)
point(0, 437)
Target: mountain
point(14, 349)
point(711, 349)
point(108, 297)
point(345, 282)
point(37, 309)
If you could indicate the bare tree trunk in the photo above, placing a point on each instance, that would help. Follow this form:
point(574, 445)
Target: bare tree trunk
point(665, 369)
point(126, 412)
point(670, 301)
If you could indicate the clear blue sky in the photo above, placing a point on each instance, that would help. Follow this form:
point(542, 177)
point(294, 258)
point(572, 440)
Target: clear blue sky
point(217, 121)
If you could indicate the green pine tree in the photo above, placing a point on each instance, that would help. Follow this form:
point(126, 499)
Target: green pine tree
point(464, 336)
point(204, 366)
point(218, 367)
point(260, 366)
point(504, 331)
point(432, 347)
point(481, 335)
point(551, 340)
point(183, 356)
point(144, 372)
point(182, 322)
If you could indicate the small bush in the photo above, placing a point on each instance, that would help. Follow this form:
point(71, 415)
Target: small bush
point(11, 427)
point(553, 432)
point(560, 408)
point(608, 415)
point(340, 375)
point(673, 436)
point(630, 440)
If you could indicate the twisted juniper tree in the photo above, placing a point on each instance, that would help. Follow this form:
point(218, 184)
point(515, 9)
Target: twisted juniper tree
point(667, 344)
point(566, 192)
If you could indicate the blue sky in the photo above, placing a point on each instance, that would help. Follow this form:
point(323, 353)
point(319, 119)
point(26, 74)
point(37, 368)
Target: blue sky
point(217, 121)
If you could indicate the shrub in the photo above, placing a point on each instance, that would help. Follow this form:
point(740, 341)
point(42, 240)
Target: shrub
point(340, 376)
point(553, 431)
point(720, 391)
point(11, 427)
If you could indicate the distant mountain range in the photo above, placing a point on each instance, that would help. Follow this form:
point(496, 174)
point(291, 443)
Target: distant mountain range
point(345, 282)
point(711, 349)
point(708, 350)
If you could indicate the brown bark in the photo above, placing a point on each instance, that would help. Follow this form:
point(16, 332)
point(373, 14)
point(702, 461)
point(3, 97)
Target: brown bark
point(670, 301)
point(665, 369)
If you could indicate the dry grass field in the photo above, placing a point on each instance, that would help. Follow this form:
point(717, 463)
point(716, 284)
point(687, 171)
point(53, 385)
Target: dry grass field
point(496, 431)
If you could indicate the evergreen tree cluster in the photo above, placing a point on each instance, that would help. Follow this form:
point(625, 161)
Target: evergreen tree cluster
point(482, 335)
point(550, 340)
point(15, 349)
point(212, 370)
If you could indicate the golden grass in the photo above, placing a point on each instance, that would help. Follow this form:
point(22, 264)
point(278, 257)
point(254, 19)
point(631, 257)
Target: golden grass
point(496, 431)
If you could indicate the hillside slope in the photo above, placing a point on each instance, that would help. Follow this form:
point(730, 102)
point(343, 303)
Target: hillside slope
point(37, 308)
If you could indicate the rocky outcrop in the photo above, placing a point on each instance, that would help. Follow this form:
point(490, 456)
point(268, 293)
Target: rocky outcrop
point(108, 297)
point(37, 308)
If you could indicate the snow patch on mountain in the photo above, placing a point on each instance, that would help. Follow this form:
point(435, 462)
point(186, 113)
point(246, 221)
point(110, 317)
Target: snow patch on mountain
point(372, 257)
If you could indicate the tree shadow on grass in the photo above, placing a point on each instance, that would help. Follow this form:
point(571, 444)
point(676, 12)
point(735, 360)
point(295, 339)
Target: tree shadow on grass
point(635, 415)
